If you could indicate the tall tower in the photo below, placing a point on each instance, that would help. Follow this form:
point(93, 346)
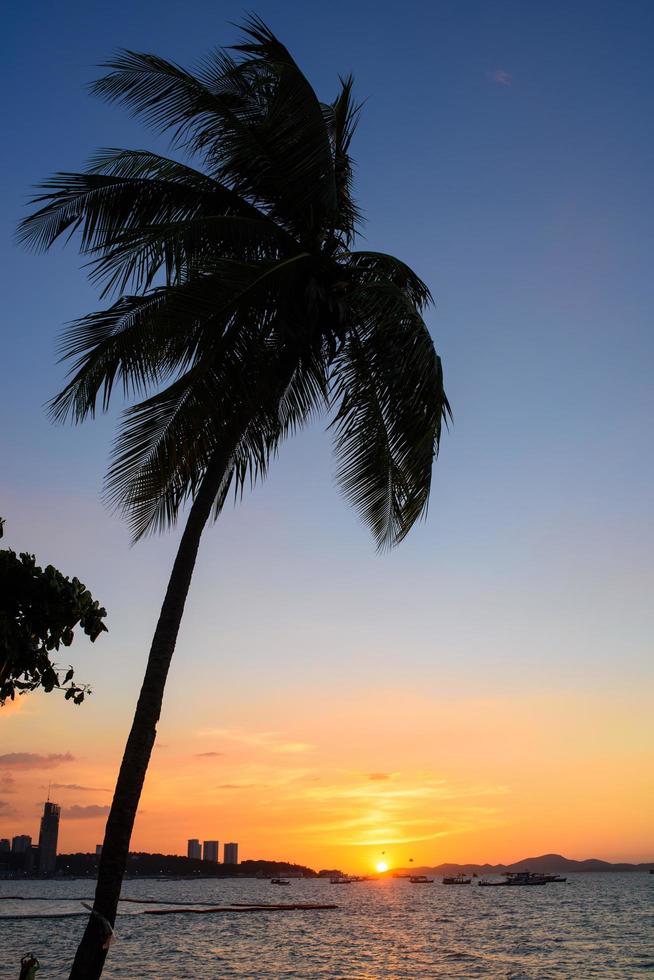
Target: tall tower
point(193, 849)
point(48, 838)
point(210, 851)
point(230, 854)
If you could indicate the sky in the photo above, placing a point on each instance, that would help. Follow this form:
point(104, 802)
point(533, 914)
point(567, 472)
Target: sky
point(483, 692)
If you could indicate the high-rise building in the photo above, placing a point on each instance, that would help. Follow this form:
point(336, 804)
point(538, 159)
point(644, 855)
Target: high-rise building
point(210, 851)
point(21, 844)
point(193, 849)
point(98, 850)
point(230, 854)
point(48, 838)
point(5, 845)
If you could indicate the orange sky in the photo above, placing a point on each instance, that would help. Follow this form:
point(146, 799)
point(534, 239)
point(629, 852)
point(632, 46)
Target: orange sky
point(338, 784)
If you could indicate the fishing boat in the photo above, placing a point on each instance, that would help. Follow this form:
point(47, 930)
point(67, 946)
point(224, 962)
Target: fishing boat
point(279, 881)
point(457, 880)
point(516, 878)
point(420, 880)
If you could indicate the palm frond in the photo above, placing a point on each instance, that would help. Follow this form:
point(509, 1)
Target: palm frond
point(181, 249)
point(103, 206)
point(378, 267)
point(257, 123)
point(143, 340)
point(387, 388)
point(241, 408)
point(341, 117)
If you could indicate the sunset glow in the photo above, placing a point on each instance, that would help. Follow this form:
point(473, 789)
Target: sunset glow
point(470, 782)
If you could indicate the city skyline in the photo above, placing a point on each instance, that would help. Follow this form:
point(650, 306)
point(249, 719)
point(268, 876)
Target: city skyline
point(28, 857)
point(483, 691)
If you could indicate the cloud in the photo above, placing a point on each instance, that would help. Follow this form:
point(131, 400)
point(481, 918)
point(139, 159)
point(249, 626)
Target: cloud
point(33, 760)
point(4, 805)
point(239, 786)
point(207, 755)
point(7, 783)
point(273, 741)
point(91, 812)
point(501, 77)
point(378, 776)
point(81, 789)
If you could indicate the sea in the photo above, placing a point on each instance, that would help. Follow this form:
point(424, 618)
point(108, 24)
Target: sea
point(594, 925)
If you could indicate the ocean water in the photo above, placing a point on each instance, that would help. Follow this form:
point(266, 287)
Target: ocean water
point(596, 925)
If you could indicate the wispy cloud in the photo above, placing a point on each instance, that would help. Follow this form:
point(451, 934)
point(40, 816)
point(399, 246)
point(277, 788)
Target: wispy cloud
point(208, 755)
point(91, 812)
point(501, 77)
point(238, 786)
point(34, 760)
point(408, 809)
point(7, 783)
point(272, 741)
point(379, 776)
point(81, 789)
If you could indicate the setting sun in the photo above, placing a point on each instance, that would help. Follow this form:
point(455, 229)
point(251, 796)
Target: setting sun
point(382, 866)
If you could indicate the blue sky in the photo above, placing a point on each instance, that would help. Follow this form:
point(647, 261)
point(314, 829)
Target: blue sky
point(506, 153)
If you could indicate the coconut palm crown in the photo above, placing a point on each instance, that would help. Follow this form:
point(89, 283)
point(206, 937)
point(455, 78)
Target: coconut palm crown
point(240, 307)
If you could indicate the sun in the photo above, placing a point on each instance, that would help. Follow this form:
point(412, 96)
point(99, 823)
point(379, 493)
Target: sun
point(382, 866)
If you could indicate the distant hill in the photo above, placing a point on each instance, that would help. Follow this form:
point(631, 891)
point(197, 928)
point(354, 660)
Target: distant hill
point(545, 864)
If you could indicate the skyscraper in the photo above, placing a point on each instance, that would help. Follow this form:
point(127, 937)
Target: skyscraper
point(210, 851)
point(230, 855)
point(48, 838)
point(193, 849)
point(21, 843)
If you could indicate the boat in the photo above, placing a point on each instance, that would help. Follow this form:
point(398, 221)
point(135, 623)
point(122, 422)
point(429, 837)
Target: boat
point(341, 881)
point(279, 881)
point(514, 879)
point(421, 880)
point(551, 879)
point(457, 880)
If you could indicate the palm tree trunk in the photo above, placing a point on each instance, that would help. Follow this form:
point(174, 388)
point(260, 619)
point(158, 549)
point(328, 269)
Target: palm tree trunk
point(92, 950)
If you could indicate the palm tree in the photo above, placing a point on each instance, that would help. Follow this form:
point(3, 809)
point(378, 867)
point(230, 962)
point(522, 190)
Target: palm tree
point(242, 310)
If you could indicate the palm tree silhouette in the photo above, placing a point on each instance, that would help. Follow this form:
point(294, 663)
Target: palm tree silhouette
point(242, 310)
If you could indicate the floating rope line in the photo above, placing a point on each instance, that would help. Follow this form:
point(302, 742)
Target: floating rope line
point(177, 910)
point(237, 908)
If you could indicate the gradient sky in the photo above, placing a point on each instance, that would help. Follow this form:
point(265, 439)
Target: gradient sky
point(484, 692)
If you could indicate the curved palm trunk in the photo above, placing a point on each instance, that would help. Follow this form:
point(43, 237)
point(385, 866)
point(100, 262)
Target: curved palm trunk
point(92, 950)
